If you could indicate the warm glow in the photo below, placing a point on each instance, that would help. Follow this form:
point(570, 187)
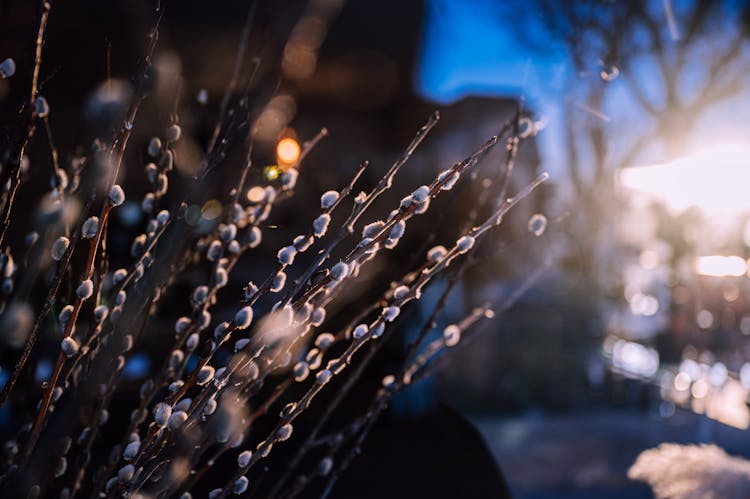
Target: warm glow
point(715, 180)
point(287, 151)
point(720, 266)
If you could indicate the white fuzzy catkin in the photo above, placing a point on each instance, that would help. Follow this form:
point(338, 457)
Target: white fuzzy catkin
point(205, 375)
point(90, 227)
point(176, 420)
point(323, 376)
point(182, 324)
point(301, 370)
point(324, 341)
point(390, 313)
point(302, 242)
point(451, 335)
point(118, 276)
point(214, 251)
point(131, 450)
point(397, 231)
point(317, 316)
point(162, 217)
point(228, 233)
point(451, 176)
point(378, 330)
point(278, 282)
point(464, 244)
point(255, 236)
point(421, 194)
point(116, 195)
point(7, 68)
point(41, 107)
point(154, 147)
point(240, 485)
point(325, 466)
point(69, 346)
point(125, 474)
point(401, 292)
point(244, 458)
point(320, 224)
point(221, 277)
point(436, 253)
point(359, 331)
point(205, 319)
point(147, 205)
point(162, 412)
point(289, 178)
point(286, 255)
point(372, 229)
point(422, 207)
point(173, 132)
point(328, 199)
point(200, 294)
point(85, 289)
point(175, 358)
point(339, 271)
point(183, 405)
point(62, 466)
point(59, 247)
point(65, 314)
point(101, 312)
point(241, 344)
point(192, 342)
point(221, 330)
point(284, 432)
point(243, 317)
point(210, 407)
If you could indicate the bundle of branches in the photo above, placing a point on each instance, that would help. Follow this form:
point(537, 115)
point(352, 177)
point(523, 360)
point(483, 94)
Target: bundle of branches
point(237, 372)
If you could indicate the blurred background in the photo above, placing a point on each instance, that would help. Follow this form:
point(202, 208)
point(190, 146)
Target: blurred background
point(634, 324)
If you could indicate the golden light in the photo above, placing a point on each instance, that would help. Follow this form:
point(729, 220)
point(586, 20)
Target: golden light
point(287, 151)
point(720, 266)
point(271, 172)
point(714, 180)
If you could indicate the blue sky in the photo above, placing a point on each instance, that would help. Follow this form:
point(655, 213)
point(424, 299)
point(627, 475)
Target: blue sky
point(474, 48)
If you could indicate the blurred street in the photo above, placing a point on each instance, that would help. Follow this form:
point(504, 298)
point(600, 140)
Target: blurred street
point(587, 455)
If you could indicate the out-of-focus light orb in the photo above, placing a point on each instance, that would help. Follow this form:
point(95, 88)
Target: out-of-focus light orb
point(691, 369)
point(211, 210)
point(699, 389)
point(714, 180)
point(705, 319)
point(649, 259)
point(666, 409)
point(287, 151)
point(256, 194)
point(681, 382)
point(643, 304)
point(745, 325)
point(271, 172)
point(635, 359)
point(718, 374)
point(730, 292)
point(720, 266)
point(537, 224)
